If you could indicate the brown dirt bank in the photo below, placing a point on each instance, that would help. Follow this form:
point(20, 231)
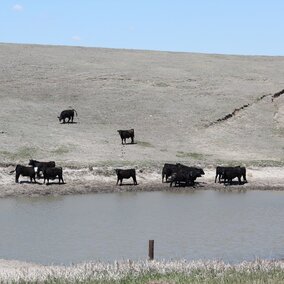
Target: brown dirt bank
point(103, 180)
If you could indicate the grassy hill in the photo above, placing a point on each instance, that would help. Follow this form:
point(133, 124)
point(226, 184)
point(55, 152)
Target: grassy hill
point(198, 108)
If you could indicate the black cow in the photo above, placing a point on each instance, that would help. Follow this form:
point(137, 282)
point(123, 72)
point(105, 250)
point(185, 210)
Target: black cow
point(168, 170)
point(41, 166)
point(234, 172)
point(221, 170)
point(24, 171)
point(124, 134)
point(52, 173)
point(186, 175)
point(121, 174)
point(220, 173)
point(69, 114)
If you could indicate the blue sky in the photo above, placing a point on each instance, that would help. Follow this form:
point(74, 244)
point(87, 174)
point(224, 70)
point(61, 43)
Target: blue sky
point(210, 26)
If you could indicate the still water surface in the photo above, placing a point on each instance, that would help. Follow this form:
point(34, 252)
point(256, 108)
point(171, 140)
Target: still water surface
point(232, 226)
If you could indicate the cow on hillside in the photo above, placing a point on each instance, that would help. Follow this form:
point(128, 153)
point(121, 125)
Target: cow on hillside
point(121, 174)
point(124, 134)
point(53, 173)
point(69, 114)
point(24, 171)
point(41, 166)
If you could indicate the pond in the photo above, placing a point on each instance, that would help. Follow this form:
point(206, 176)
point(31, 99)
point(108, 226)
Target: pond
point(233, 226)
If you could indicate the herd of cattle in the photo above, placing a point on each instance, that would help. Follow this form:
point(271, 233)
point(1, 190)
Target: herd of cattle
point(177, 174)
point(47, 169)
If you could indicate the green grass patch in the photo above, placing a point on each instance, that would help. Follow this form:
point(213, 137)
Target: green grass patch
point(144, 144)
point(20, 154)
point(252, 163)
point(62, 149)
point(192, 155)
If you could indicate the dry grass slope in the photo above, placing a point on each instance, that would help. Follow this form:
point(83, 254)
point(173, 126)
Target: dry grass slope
point(172, 100)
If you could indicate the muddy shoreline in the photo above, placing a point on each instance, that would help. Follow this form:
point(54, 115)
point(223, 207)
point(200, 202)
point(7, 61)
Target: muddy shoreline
point(102, 180)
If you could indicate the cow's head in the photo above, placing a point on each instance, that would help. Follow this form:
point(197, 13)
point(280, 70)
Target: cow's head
point(31, 162)
point(59, 117)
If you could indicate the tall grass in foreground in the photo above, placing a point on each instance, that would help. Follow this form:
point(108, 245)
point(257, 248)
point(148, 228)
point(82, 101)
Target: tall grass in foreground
point(259, 271)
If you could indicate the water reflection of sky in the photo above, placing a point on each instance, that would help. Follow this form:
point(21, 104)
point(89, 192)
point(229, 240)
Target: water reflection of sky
point(233, 226)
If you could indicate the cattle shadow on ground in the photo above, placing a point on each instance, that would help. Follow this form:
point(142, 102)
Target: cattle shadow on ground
point(53, 182)
point(129, 143)
point(234, 182)
point(29, 182)
point(70, 122)
point(127, 184)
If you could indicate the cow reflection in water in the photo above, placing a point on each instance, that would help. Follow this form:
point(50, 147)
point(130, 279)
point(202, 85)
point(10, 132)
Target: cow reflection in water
point(121, 174)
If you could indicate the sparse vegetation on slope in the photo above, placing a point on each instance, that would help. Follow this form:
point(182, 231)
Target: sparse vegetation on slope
point(168, 98)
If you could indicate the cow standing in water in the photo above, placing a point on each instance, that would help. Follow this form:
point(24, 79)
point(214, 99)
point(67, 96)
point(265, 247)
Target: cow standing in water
point(124, 134)
point(69, 114)
point(121, 174)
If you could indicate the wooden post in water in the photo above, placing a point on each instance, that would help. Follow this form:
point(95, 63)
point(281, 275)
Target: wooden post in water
point(151, 250)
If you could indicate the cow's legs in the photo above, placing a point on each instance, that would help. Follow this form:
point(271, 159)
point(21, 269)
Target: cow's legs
point(121, 181)
point(61, 177)
point(37, 172)
point(132, 140)
point(32, 178)
point(17, 178)
point(239, 178)
point(216, 177)
point(134, 180)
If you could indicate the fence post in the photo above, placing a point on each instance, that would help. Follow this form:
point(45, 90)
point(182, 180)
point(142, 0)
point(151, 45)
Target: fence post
point(151, 250)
